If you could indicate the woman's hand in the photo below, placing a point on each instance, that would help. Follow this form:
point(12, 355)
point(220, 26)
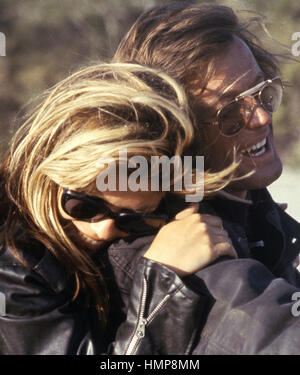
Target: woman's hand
point(190, 242)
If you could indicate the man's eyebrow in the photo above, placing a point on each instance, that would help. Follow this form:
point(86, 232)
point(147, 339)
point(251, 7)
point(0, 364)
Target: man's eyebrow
point(233, 93)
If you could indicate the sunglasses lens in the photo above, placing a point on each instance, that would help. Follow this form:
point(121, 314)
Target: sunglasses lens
point(231, 118)
point(234, 116)
point(142, 224)
point(82, 210)
point(271, 96)
point(92, 209)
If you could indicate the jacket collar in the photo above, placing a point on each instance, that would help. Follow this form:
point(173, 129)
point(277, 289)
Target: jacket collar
point(231, 208)
point(287, 230)
point(53, 272)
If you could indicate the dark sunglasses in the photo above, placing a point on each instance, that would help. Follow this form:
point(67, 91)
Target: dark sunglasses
point(234, 116)
point(93, 209)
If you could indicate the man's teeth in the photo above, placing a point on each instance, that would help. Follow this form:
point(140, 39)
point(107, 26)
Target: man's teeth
point(258, 146)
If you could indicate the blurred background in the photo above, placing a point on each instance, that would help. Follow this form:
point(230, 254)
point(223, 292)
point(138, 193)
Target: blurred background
point(47, 40)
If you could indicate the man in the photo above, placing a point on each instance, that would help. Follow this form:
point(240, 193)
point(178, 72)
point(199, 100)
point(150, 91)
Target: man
point(233, 90)
point(233, 87)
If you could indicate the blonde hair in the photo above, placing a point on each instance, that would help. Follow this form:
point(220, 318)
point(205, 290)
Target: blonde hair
point(97, 111)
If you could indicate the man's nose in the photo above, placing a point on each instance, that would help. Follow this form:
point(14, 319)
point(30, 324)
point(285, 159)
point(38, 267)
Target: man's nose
point(259, 117)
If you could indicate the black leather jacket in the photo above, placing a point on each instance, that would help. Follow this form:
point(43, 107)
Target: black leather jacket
point(41, 318)
point(247, 303)
point(230, 307)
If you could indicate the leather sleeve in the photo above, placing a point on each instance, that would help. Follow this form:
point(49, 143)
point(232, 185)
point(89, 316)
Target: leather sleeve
point(253, 313)
point(163, 314)
point(39, 320)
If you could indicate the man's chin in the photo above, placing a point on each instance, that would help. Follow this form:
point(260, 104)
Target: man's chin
point(260, 179)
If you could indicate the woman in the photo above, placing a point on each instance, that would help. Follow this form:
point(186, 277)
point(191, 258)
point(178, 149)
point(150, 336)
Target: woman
point(56, 221)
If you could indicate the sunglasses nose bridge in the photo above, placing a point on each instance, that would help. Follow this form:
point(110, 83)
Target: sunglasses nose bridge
point(251, 101)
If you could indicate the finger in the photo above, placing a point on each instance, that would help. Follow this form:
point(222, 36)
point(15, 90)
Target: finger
point(211, 220)
point(217, 231)
point(225, 248)
point(219, 238)
point(192, 209)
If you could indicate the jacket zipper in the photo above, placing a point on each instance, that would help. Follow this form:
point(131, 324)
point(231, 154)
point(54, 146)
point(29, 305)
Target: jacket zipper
point(139, 332)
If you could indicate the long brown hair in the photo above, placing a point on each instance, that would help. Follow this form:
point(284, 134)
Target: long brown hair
point(184, 39)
